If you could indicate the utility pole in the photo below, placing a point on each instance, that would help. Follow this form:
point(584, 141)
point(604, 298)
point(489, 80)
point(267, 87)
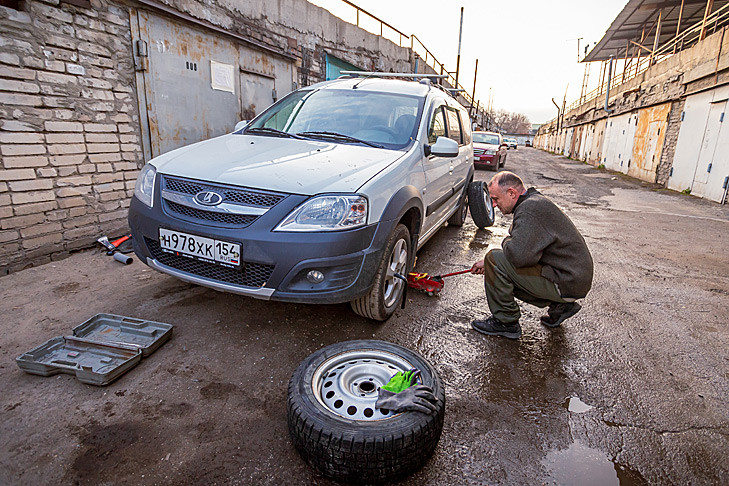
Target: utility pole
point(458, 60)
point(578, 48)
point(473, 96)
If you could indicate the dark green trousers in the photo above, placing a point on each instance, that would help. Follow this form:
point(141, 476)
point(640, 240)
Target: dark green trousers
point(504, 282)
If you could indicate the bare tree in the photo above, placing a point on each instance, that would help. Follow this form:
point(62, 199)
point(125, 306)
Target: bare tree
point(508, 122)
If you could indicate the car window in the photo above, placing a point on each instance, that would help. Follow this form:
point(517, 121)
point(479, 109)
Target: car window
point(465, 126)
point(437, 125)
point(454, 126)
point(385, 119)
point(486, 138)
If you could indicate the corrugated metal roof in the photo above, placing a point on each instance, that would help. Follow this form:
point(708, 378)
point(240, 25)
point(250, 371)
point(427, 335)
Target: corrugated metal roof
point(641, 16)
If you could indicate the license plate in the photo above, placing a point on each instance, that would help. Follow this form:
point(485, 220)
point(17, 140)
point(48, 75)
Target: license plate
point(200, 248)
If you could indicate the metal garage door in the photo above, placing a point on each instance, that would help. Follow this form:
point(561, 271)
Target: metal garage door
point(648, 141)
point(190, 83)
point(690, 139)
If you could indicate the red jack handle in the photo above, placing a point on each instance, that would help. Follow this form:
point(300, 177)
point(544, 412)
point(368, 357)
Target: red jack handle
point(454, 273)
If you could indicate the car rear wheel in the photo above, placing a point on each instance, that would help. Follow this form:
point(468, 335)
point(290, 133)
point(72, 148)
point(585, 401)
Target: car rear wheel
point(479, 201)
point(384, 296)
point(333, 421)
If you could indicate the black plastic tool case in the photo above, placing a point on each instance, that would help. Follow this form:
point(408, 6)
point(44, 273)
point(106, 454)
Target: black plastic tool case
point(100, 350)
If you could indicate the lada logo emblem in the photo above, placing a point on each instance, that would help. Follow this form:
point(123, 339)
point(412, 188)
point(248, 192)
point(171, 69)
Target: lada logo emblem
point(208, 198)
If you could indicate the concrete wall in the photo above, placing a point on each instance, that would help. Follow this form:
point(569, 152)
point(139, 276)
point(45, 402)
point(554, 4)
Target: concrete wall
point(644, 134)
point(72, 133)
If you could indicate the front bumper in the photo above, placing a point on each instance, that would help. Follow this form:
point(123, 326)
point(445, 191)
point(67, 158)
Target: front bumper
point(274, 264)
point(488, 161)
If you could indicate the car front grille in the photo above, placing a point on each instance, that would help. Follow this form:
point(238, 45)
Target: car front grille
point(251, 275)
point(231, 195)
point(478, 151)
point(226, 218)
point(246, 197)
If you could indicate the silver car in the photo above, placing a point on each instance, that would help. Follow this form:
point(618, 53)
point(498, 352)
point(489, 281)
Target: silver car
point(322, 198)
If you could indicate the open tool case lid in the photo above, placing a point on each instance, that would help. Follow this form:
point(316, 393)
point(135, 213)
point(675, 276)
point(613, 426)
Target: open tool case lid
point(113, 330)
point(101, 349)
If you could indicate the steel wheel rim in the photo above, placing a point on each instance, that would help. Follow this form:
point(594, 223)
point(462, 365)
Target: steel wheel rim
point(346, 384)
point(489, 204)
point(396, 264)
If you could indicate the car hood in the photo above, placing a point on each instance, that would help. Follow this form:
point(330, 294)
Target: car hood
point(278, 164)
point(489, 146)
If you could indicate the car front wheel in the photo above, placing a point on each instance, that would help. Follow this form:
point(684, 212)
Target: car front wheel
point(384, 296)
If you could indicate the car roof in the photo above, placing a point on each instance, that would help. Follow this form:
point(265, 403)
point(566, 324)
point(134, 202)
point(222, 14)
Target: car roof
point(487, 133)
point(384, 85)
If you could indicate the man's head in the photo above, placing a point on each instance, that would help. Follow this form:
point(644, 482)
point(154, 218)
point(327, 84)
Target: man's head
point(505, 188)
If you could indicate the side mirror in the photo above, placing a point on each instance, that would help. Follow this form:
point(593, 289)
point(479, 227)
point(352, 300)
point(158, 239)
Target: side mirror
point(240, 125)
point(504, 144)
point(444, 147)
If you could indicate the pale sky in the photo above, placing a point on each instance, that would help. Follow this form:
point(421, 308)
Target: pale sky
point(526, 49)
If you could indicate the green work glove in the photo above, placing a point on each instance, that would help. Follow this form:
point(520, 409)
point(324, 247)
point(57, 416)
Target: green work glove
point(402, 381)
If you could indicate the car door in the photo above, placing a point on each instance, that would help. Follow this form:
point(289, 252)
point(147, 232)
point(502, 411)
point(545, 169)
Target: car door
point(463, 163)
point(438, 170)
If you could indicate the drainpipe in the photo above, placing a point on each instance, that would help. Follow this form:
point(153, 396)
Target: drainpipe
point(558, 112)
point(607, 93)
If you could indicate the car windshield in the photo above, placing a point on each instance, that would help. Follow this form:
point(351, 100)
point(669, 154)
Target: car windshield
point(486, 138)
point(352, 116)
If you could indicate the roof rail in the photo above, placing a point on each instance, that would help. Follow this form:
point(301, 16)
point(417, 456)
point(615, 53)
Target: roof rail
point(376, 74)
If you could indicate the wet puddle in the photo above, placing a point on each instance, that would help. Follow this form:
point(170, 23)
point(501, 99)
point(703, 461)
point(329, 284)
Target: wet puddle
point(580, 464)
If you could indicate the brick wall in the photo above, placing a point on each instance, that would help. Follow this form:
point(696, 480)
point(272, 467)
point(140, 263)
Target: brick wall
point(69, 117)
point(69, 136)
point(669, 144)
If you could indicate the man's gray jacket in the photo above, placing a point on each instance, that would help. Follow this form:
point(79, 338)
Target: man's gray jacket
point(541, 234)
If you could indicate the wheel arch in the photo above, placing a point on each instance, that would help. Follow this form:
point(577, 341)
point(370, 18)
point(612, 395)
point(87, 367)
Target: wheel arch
point(406, 207)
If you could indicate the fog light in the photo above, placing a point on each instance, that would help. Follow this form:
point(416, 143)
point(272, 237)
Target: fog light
point(315, 276)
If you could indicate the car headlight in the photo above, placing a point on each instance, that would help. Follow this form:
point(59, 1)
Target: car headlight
point(491, 152)
point(144, 187)
point(327, 213)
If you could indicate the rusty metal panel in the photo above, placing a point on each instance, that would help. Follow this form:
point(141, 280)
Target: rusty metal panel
point(575, 144)
point(257, 94)
point(594, 156)
point(264, 79)
point(567, 141)
point(191, 83)
point(650, 132)
point(587, 135)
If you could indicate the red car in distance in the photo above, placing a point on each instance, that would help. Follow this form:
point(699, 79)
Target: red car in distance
point(489, 150)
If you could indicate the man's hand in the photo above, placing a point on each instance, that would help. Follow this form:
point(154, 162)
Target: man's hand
point(477, 268)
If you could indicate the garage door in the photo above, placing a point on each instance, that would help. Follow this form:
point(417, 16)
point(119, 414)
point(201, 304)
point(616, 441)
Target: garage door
point(190, 83)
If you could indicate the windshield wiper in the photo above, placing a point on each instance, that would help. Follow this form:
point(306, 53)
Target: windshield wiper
point(273, 131)
point(338, 136)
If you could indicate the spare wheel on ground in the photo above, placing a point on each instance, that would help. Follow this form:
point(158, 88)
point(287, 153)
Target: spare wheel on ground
point(333, 421)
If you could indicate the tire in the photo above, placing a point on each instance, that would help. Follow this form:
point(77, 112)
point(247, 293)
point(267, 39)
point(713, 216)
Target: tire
point(479, 201)
point(459, 217)
point(360, 449)
point(387, 290)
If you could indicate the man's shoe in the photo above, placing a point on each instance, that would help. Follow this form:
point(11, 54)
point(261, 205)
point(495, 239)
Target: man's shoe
point(559, 312)
point(494, 327)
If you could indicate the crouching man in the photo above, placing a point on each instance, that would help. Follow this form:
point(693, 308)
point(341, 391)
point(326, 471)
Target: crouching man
point(544, 261)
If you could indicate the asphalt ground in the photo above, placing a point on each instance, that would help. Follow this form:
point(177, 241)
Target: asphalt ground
point(634, 389)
